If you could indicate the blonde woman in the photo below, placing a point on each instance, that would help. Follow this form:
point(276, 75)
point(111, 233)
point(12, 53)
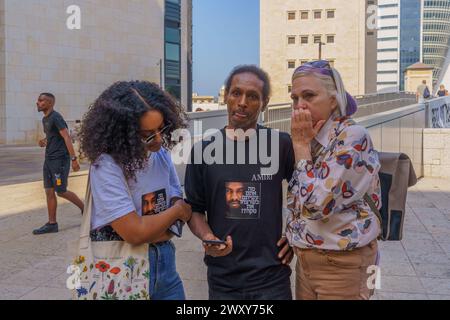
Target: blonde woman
point(331, 227)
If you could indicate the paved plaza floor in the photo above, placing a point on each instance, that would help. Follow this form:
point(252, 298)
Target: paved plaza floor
point(34, 267)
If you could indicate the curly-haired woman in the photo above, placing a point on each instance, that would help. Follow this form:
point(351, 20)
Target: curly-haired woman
point(126, 136)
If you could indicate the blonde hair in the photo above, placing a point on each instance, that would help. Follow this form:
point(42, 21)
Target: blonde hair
point(334, 86)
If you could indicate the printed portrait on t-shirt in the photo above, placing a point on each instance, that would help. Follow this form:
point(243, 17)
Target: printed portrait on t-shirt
point(242, 199)
point(154, 202)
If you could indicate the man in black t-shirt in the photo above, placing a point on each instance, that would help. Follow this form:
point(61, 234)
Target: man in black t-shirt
point(234, 199)
point(59, 154)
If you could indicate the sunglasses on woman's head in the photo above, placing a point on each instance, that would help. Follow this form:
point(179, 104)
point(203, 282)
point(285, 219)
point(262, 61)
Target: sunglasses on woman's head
point(322, 66)
point(319, 64)
point(152, 137)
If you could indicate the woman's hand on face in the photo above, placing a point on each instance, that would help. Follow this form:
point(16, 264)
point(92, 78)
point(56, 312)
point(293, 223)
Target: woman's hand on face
point(185, 210)
point(302, 129)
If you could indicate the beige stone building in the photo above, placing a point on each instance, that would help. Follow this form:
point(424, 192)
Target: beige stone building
point(415, 74)
point(196, 99)
point(292, 30)
point(118, 40)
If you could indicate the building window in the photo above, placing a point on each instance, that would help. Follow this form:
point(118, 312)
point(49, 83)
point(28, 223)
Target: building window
point(302, 62)
point(173, 52)
point(291, 15)
point(330, 14)
point(304, 15)
point(172, 39)
point(387, 61)
point(330, 39)
point(387, 83)
point(387, 72)
point(291, 64)
point(393, 16)
point(291, 39)
point(388, 39)
point(304, 39)
point(331, 61)
point(317, 14)
point(289, 88)
point(317, 39)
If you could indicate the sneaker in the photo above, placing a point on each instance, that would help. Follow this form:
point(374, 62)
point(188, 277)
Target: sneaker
point(47, 228)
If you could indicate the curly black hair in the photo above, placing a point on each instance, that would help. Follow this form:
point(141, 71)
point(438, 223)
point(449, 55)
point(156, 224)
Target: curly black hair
point(257, 71)
point(111, 125)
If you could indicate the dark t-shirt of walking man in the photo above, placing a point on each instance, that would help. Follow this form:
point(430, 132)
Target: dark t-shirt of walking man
point(57, 159)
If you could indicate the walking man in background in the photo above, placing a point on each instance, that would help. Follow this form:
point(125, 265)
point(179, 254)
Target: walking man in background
point(59, 154)
point(423, 92)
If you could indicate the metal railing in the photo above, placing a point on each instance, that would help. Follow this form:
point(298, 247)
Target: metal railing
point(382, 97)
point(278, 116)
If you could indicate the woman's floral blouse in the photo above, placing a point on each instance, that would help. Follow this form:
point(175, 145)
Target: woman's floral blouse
point(325, 196)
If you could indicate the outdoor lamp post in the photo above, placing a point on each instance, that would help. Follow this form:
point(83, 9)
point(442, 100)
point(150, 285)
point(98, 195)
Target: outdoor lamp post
point(320, 49)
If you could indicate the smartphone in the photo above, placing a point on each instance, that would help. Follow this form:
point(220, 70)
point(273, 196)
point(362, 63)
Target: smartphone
point(177, 228)
point(215, 242)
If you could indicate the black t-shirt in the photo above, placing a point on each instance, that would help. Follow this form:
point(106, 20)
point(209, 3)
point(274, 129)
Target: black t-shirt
point(239, 201)
point(56, 147)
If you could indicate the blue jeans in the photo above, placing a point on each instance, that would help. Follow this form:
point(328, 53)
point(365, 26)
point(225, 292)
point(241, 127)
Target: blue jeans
point(165, 283)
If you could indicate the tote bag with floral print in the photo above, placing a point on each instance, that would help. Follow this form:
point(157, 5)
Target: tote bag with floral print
point(108, 270)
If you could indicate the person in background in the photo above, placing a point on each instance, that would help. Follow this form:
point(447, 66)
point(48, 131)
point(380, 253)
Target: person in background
point(59, 157)
point(442, 91)
point(422, 92)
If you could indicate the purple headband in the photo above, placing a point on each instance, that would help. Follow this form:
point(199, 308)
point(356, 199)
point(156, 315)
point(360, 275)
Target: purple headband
point(352, 106)
point(323, 67)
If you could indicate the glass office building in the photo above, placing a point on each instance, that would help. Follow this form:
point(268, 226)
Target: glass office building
point(436, 35)
point(173, 51)
point(172, 63)
point(410, 24)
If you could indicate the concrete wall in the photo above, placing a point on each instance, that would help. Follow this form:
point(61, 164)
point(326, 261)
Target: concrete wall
point(2, 75)
point(186, 51)
point(348, 51)
point(370, 56)
point(436, 157)
point(399, 130)
point(118, 40)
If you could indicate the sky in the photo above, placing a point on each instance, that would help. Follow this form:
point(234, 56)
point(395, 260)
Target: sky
point(225, 34)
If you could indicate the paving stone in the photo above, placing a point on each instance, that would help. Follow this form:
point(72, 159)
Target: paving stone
point(422, 246)
point(397, 269)
point(394, 257)
point(427, 257)
point(34, 267)
point(47, 293)
point(438, 297)
point(59, 280)
point(13, 292)
point(436, 285)
point(30, 277)
point(432, 270)
point(401, 284)
point(445, 245)
point(401, 296)
point(196, 289)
